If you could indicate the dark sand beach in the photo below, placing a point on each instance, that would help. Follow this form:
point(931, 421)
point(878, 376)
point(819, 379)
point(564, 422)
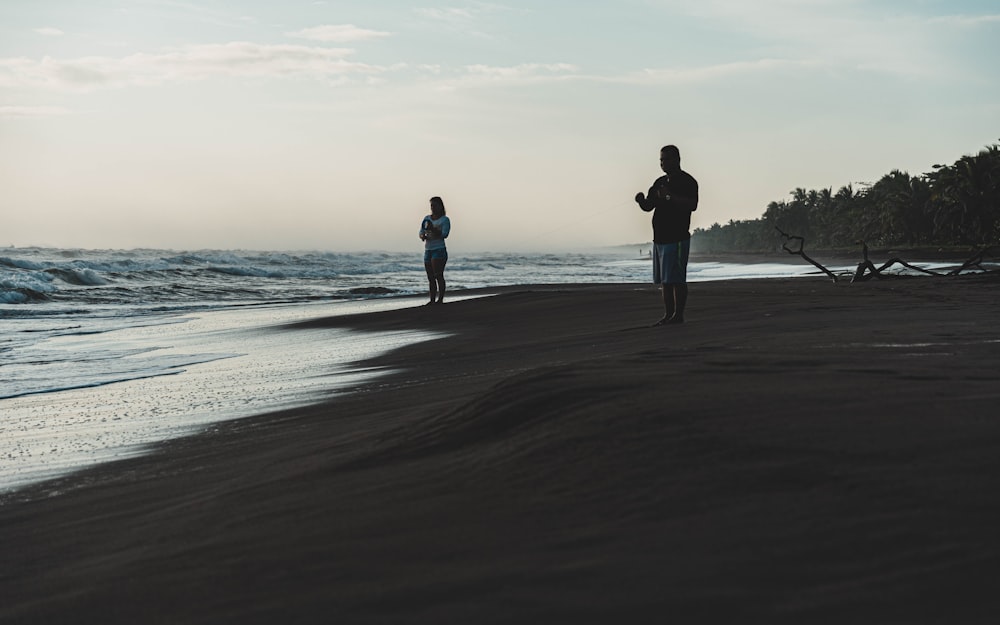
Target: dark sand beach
point(798, 452)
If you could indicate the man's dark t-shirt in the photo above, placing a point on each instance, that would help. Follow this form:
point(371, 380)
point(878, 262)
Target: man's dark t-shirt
point(672, 218)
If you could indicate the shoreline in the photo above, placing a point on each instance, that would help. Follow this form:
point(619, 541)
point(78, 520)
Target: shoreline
point(799, 451)
point(179, 375)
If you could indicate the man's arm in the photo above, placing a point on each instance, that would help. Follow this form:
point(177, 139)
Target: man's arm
point(686, 195)
point(644, 203)
point(653, 198)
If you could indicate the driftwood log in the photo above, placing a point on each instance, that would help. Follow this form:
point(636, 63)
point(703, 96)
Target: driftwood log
point(974, 262)
point(866, 268)
point(798, 252)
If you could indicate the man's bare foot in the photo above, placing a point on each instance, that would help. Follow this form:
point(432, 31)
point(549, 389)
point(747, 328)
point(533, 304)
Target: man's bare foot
point(675, 319)
point(665, 320)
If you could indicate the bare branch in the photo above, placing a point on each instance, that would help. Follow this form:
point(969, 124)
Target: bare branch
point(801, 241)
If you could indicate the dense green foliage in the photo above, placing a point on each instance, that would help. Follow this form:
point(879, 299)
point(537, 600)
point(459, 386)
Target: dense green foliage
point(955, 204)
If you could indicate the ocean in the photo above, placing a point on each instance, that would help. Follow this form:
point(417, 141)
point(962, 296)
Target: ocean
point(104, 352)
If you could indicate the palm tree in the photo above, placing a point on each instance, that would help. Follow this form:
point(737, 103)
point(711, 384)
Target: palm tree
point(966, 198)
point(901, 208)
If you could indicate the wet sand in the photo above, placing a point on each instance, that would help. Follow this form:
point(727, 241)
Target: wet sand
point(798, 452)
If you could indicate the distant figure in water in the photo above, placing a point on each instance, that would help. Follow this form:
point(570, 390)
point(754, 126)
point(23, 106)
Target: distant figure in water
point(433, 231)
point(672, 198)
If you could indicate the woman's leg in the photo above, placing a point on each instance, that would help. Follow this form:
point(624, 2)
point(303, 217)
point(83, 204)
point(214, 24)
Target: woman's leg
point(438, 269)
point(431, 280)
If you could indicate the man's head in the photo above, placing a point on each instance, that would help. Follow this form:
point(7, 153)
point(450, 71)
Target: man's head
point(670, 159)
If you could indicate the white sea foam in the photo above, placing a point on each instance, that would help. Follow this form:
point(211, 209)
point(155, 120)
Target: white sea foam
point(183, 376)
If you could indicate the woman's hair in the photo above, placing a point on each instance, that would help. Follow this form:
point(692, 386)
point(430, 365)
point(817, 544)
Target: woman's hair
point(436, 201)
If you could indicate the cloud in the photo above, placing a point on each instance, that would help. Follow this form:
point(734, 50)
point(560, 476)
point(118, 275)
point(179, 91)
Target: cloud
point(477, 76)
point(49, 32)
point(471, 11)
point(464, 19)
point(450, 15)
point(537, 73)
point(31, 111)
point(338, 33)
point(848, 33)
point(525, 73)
point(235, 59)
point(252, 60)
point(966, 21)
point(710, 73)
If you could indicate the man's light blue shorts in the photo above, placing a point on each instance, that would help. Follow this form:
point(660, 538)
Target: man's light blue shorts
point(670, 261)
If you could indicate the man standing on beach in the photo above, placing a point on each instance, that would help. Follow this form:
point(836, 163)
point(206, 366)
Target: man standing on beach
point(672, 198)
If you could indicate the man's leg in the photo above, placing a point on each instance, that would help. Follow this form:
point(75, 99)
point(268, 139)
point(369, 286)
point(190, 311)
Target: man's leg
point(667, 291)
point(678, 271)
point(680, 295)
point(660, 277)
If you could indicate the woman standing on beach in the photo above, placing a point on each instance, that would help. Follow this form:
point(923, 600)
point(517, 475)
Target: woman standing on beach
point(433, 231)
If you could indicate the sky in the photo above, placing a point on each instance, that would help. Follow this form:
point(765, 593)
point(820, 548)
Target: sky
point(327, 125)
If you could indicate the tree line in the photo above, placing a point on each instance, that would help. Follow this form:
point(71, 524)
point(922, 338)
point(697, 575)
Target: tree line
point(954, 205)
